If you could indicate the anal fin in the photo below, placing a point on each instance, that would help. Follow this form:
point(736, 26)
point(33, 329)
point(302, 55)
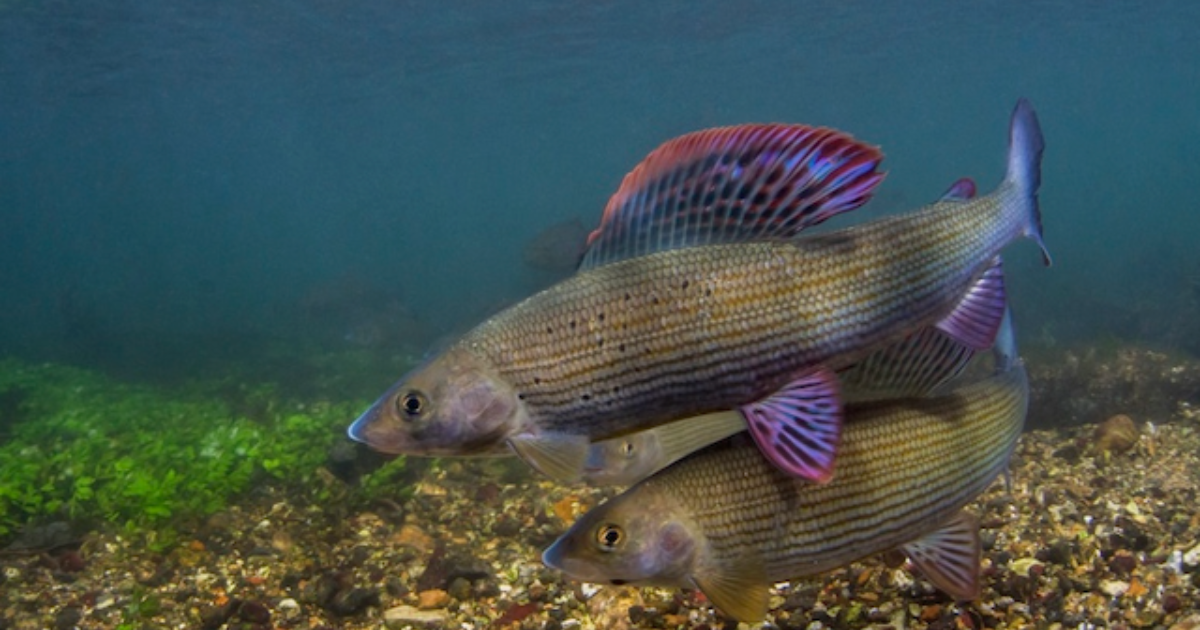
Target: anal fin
point(799, 427)
point(740, 592)
point(949, 557)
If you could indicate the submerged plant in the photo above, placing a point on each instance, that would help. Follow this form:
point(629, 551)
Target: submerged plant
point(89, 449)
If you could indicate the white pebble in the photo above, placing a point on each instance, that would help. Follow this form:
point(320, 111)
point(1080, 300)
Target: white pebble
point(1191, 558)
point(1114, 588)
point(289, 608)
point(105, 600)
point(402, 616)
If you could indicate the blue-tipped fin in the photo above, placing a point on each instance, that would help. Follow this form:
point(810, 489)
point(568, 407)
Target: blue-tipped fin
point(799, 427)
point(976, 319)
point(1025, 147)
point(733, 185)
point(949, 557)
point(1004, 351)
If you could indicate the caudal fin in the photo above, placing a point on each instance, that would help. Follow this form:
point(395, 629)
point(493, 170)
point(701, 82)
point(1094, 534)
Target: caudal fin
point(1025, 146)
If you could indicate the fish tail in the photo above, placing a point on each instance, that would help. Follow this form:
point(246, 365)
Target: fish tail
point(1025, 146)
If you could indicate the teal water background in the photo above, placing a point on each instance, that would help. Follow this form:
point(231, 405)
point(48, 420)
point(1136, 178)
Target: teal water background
point(175, 169)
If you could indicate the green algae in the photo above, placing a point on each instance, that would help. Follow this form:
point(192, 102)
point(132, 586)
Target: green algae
point(77, 446)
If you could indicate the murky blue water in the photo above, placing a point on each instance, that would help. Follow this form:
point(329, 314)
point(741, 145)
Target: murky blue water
point(180, 168)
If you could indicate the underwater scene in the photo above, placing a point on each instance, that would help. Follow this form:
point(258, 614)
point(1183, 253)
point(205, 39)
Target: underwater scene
point(575, 315)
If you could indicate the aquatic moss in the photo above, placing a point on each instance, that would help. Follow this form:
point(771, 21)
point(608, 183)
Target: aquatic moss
point(88, 449)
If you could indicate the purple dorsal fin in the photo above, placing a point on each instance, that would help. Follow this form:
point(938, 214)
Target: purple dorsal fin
point(949, 557)
point(963, 189)
point(799, 427)
point(732, 185)
point(977, 318)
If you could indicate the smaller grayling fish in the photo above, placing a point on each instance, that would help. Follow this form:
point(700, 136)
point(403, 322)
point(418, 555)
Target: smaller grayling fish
point(727, 522)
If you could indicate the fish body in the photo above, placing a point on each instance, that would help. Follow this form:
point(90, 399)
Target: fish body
point(725, 521)
point(641, 340)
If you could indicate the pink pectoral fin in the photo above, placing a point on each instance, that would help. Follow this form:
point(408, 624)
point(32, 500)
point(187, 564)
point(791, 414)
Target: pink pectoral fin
point(799, 427)
point(977, 318)
point(949, 557)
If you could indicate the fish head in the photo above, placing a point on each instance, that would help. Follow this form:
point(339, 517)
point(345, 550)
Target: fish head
point(638, 538)
point(454, 405)
point(624, 460)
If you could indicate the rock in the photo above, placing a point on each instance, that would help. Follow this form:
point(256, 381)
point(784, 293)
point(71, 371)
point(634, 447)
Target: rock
point(254, 612)
point(288, 608)
point(433, 598)
point(1191, 622)
point(412, 536)
point(67, 618)
point(460, 589)
point(353, 601)
point(1191, 558)
point(402, 616)
point(1114, 588)
point(1116, 435)
point(610, 607)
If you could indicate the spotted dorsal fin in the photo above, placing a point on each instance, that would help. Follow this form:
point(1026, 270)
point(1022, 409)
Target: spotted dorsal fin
point(732, 185)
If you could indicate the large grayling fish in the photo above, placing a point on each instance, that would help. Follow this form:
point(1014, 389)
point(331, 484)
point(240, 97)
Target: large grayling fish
point(727, 522)
point(921, 364)
point(696, 296)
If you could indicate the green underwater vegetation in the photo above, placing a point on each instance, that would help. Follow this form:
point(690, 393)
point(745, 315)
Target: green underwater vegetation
point(80, 447)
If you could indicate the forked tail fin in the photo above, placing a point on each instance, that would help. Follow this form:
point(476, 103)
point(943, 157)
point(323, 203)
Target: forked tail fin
point(1025, 146)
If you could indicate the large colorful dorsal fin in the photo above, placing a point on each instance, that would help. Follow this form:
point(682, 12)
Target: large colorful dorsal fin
point(731, 185)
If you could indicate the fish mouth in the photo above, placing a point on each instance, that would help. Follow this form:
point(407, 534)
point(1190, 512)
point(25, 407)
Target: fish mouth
point(374, 431)
point(358, 429)
point(556, 557)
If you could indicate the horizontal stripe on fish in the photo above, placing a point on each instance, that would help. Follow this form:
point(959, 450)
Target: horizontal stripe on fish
point(726, 521)
point(673, 334)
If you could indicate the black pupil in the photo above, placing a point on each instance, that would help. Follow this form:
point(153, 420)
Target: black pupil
point(412, 404)
point(611, 536)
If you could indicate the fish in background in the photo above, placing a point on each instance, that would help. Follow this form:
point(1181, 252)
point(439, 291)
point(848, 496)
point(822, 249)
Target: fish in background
point(728, 523)
point(696, 295)
point(558, 248)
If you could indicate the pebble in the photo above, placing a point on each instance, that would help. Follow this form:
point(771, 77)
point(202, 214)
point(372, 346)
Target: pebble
point(402, 616)
point(1114, 588)
point(609, 608)
point(1191, 557)
point(105, 600)
point(288, 608)
point(412, 536)
point(433, 598)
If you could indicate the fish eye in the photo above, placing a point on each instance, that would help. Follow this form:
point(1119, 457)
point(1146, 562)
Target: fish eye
point(410, 405)
point(627, 448)
point(609, 536)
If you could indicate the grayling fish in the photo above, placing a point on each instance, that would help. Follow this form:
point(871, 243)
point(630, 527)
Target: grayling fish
point(918, 366)
point(727, 522)
point(696, 296)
